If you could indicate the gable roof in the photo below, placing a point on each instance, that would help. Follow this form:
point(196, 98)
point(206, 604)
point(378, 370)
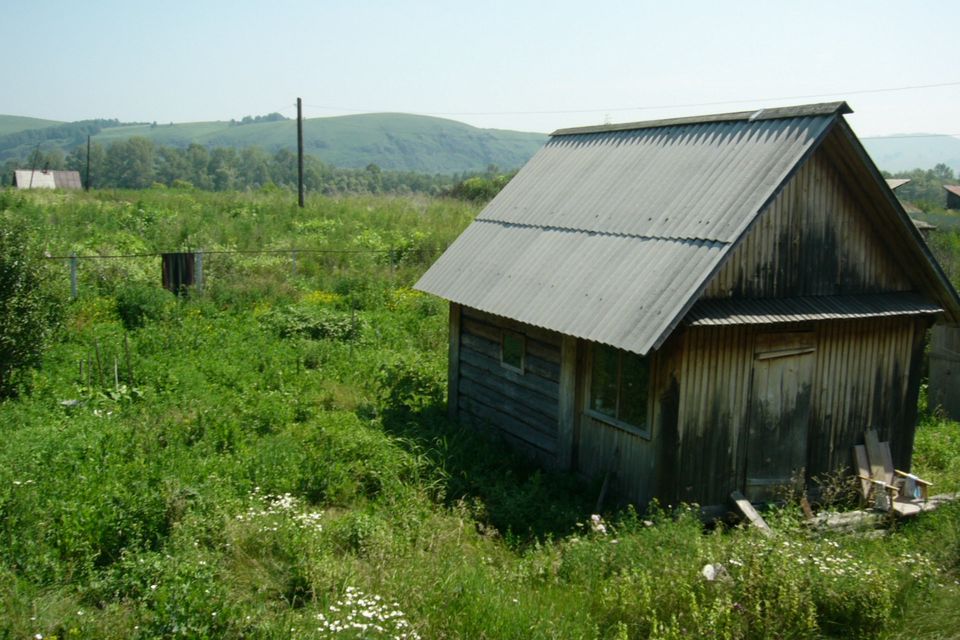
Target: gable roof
point(952, 188)
point(610, 233)
point(39, 179)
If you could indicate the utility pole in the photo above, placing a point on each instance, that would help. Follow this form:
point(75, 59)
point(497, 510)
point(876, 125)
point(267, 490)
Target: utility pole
point(86, 183)
point(300, 150)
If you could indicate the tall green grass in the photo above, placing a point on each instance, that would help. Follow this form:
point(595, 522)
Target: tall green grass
point(273, 460)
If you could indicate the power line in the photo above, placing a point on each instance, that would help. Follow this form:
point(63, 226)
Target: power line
point(652, 107)
point(911, 136)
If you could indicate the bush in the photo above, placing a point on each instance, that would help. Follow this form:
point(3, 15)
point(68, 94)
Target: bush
point(138, 303)
point(313, 323)
point(29, 312)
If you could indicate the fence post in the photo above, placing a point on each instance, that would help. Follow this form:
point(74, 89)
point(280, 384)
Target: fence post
point(198, 271)
point(73, 276)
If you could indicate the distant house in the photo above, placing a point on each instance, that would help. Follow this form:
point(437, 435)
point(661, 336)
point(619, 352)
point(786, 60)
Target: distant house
point(38, 179)
point(953, 196)
point(693, 306)
point(912, 210)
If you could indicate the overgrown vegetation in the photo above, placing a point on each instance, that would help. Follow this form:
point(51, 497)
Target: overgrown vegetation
point(29, 312)
point(270, 458)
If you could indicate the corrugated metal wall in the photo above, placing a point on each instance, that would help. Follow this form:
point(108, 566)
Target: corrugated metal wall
point(865, 377)
point(522, 406)
point(813, 240)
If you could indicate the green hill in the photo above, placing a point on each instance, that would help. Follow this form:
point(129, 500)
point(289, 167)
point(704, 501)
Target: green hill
point(16, 124)
point(393, 141)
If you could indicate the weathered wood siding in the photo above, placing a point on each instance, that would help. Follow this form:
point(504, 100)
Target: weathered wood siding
point(866, 375)
point(522, 407)
point(632, 459)
point(813, 239)
point(714, 385)
point(945, 370)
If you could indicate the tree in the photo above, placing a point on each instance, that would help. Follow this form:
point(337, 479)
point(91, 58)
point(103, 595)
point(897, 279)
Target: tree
point(29, 313)
point(130, 163)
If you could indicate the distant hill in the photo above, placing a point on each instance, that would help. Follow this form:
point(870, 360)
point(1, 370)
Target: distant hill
point(16, 124)
point(393, 141)
point(914, 151)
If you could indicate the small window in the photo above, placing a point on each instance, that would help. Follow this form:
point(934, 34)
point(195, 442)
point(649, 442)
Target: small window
point(512, 351)
point(618, 388)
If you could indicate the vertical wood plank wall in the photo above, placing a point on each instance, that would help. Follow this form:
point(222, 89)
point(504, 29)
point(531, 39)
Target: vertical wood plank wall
point(636, 462)
point(522, 407)
point(862, 380)
point(813, 239)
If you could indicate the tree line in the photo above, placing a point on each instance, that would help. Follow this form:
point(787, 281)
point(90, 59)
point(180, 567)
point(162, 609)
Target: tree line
point(139, 163)
point(925, 189)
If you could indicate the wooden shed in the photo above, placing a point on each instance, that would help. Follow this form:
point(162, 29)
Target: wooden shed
point(693, 306)
point(953, 196)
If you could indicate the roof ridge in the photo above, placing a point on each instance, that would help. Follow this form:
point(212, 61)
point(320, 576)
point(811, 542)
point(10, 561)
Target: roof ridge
point(607, 234)
point(774, 113)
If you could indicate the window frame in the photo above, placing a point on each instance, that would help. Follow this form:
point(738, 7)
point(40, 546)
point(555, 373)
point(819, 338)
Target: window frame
point(642, 430)
point(504, 334)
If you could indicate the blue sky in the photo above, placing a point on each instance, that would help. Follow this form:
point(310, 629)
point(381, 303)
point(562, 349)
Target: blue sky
point(533, 66)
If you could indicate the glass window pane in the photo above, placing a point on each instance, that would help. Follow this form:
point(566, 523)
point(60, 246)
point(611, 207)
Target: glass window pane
point(634, 374)
point(511, 350)
point(603, 380)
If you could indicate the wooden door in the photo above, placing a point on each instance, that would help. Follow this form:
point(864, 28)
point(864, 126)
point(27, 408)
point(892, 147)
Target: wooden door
point(779, 415)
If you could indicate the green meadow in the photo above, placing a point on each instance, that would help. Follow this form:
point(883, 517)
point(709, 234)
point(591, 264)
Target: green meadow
point(270, 457)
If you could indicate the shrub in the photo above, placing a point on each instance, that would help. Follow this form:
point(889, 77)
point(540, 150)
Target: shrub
point(410, 385)
point(313, 323)
point(29, 312)
point(138, 303)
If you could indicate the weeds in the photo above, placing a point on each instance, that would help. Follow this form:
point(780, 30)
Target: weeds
point(281, 465)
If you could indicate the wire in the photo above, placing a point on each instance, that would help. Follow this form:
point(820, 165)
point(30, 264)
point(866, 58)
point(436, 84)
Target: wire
point(239, 252)
point(650, 107)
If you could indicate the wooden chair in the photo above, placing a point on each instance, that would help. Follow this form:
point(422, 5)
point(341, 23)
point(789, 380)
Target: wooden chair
point(889, 488)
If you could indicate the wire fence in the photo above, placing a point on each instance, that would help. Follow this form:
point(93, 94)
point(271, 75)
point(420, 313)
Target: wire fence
point(194, 266)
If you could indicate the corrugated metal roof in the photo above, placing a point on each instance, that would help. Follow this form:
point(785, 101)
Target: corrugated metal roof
point(895, 183)
point(774, 113)
point(27, 179)
point(67, 179)
point(776, 310)
point(618, 290)
point(609, 235)
point(39, 179)
point(952, 188)
point(696, 181)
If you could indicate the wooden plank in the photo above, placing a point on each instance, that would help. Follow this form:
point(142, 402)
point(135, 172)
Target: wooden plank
point(543, 335)
point(878, 461)
point(470, 358)
point(567, 402)
point(516, 405)
point(545, 351)
point(453, 362)
point(509, 424)
point(746, 510)
point(862, 468)
point(533, 398)
point(532, 363)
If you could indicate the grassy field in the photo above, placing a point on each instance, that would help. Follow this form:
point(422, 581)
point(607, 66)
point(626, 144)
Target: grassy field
point(271, 459)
